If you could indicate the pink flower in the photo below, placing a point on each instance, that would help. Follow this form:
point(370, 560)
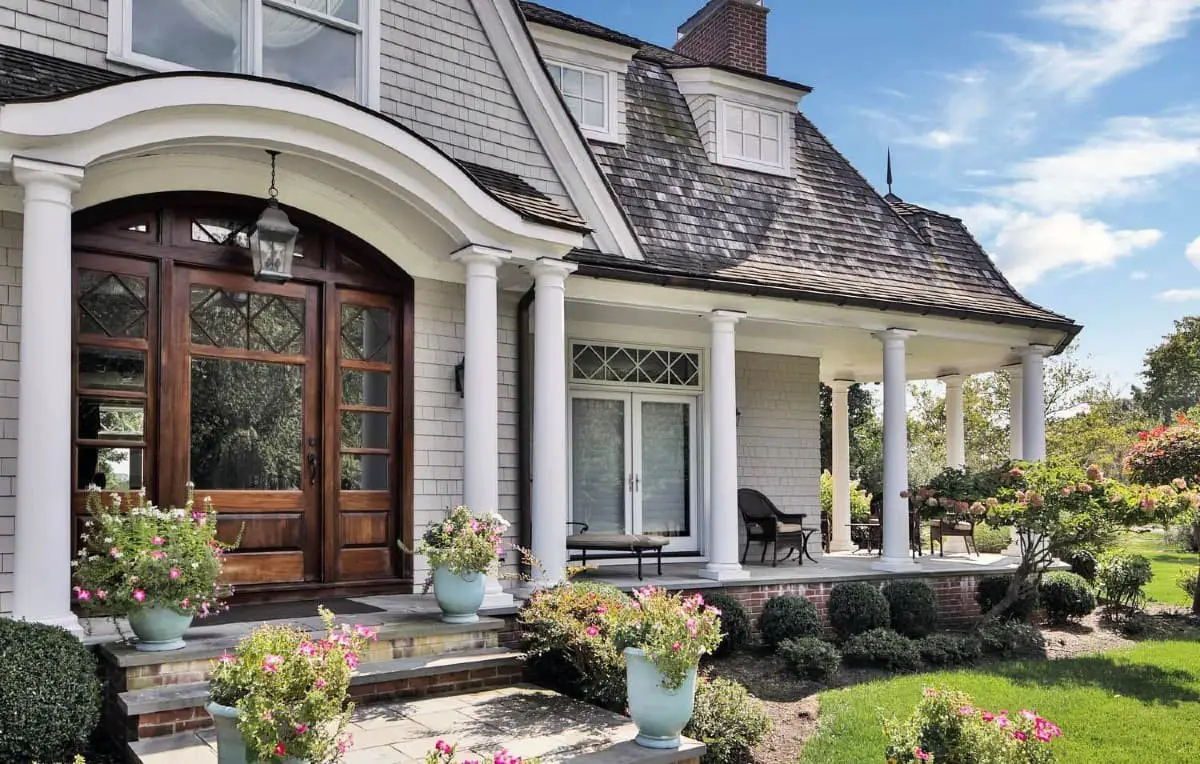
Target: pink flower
point(301, 729)
point(1029, 714)
point(592, 630)
point(441, 746)
point(345, 742)
point(930, 692)
point(227, 658)
point(139, 595)
point(280, 749)
point(308, 649)
point(966, 711)
point(987, 716)
point(158, 541)
point(1019, 735)
point(676, 647)
point(352, 661)
point(269, 715)
point(921, 755)
point(158, 555)
point(601, 609)
point(114, 553)
point(271, 663)
point(186, 603)
point(101, 594)
point(320, 683)
point(84, 595)
point(175, 573)
point(1002, 722)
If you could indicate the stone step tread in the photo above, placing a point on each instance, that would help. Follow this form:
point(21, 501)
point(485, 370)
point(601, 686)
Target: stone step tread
point(211, 647)
point(173, 697)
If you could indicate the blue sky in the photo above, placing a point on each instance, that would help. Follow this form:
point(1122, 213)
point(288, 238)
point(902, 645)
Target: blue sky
point(1065, 132)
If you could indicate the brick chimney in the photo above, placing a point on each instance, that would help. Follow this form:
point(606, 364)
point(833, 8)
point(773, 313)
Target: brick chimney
point(727, 32)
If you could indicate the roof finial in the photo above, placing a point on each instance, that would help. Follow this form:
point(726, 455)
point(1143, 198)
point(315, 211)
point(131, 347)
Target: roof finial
point(889, 169)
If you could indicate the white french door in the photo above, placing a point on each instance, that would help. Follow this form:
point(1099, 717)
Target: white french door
point(633, 465)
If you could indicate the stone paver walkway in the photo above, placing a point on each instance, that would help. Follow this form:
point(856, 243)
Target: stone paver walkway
point(524, 720)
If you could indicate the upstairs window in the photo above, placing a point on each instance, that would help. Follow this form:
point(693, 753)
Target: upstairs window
point(586, 94)
point(325, 44)
point(752, 135)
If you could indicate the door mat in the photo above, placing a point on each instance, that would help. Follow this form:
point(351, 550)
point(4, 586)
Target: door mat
point(287, 611)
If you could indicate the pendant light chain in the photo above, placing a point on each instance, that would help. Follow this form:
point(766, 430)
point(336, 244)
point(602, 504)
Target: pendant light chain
point(273, 192)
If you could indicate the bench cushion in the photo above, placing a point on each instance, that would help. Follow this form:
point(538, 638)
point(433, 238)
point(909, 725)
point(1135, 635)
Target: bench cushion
point(790, 528)
point(615, 541)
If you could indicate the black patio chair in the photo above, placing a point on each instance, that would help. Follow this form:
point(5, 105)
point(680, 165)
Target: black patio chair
point(765, 523)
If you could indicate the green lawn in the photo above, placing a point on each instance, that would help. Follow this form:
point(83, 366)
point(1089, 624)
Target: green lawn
point(1140, 706)
point(1166, 564)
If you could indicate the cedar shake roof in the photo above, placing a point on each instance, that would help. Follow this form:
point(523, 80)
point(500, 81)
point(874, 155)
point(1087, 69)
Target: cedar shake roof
point(26, 76)
point(823, 235)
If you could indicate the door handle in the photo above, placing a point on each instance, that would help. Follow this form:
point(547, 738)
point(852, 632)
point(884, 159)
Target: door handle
point(635, 482)
point(312, 467)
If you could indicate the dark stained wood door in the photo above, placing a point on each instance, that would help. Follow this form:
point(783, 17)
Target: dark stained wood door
point(251, 388)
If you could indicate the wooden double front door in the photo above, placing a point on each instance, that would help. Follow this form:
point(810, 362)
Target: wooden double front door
point(284, 403)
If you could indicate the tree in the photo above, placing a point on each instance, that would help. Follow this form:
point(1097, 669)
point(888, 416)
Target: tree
point(1171, 371)
point(1101, 432)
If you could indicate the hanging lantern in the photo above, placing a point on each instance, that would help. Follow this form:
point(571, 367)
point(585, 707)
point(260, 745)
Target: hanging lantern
point(273, 241)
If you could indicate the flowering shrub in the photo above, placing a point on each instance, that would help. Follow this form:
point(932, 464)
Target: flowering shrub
point(443, 753)
point(291, 690)
point(464, 543)
point(947, 727)
point(674, 631)
point(1165, 453)
point(141, 556)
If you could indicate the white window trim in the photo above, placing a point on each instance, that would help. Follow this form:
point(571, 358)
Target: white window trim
point(783, 167)
point(610, 133)
point(120, 46)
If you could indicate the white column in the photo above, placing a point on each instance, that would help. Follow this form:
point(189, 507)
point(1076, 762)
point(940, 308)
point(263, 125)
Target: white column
point(1033, 419)
point(840, 517)
point(42, 571)
point(723, 519)
point(1016, 443)
point(550, 458)
point(956, 452)
point(895, 451)
point(481, 430)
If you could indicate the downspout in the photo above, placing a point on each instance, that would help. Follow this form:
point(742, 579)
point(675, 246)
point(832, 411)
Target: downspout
point(525, 426)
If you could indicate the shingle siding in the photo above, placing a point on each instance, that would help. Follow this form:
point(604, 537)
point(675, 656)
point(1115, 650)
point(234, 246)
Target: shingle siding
point(779, 431)
point(76, 30)
point(10, 335)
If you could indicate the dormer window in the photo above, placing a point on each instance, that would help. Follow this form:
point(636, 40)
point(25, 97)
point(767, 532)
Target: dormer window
point(752, 135)
point(586, 94)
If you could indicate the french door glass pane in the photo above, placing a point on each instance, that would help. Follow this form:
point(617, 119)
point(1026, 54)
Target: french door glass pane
point(598, 463)
point(666, 468)
point(246, 425)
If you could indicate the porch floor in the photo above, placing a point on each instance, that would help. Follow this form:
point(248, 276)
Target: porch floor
point(524, 720)
point(836, 566)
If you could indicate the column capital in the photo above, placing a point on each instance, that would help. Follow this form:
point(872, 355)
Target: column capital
point(1026, 351)
point(725, 317)
point(1014, 370)
point(28, 172)
point(551, 271)
point(480, 260)
point(841, 385)
point(952, 380)
point(894, 335)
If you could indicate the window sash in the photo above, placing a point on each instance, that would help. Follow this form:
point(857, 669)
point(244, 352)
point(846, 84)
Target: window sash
point(753, 135)
point(579, 88)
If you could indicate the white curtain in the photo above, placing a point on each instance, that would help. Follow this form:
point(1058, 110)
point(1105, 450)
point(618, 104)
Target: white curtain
point(280, 30)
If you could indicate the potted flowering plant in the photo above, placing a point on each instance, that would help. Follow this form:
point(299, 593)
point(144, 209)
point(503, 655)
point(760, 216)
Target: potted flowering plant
point(461, 548)
point(283, 694)
point(158, 567)
point(443, 753)
point(663, 637)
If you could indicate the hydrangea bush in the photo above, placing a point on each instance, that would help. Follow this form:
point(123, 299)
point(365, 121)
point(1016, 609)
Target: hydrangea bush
point(134, 555)
point(463, 542)
point(673, 630)
point(947, 727)
point(292, 690)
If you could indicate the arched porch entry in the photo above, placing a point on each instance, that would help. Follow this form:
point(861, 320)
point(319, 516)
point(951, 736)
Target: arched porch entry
point(289, 404)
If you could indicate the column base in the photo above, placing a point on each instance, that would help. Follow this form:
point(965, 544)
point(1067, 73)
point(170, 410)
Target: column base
point(895, 564)
point(496, 597)
point(724, 571)
point(68, 622)
point(840, 545)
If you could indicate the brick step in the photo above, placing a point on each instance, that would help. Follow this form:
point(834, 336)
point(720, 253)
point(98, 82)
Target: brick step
point(409, 637)
point(170, 709)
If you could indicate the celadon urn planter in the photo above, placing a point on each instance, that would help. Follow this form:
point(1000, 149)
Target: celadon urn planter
point(459, 596)
point(659, 713)
point(158, 628)
point(231, 749)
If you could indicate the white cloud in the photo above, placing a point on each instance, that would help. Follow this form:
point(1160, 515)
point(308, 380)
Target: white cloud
point(1192, 252)
point(940, 139)
point(1028, 246)
point(1179, 295)
point(1108, 38)
point(1138, 276)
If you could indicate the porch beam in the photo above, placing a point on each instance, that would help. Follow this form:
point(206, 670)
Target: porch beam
point(42, 569)
point(840, 532)
point(481, 428)
point(723, 562)
point(895, 451)
point(550, 458)
point(956, 453)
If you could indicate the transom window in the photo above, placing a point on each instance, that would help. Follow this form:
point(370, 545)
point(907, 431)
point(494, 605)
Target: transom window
point(325, 44)
point(753, 135)
point(585, 92)
point(637, 366)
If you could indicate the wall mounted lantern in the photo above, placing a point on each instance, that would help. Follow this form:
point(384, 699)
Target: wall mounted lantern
point(273, 241)
point(460, 374)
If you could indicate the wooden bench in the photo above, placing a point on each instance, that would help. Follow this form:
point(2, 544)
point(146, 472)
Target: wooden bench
point(624, 543)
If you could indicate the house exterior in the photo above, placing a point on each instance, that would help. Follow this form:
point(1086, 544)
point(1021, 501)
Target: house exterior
point(542, 267)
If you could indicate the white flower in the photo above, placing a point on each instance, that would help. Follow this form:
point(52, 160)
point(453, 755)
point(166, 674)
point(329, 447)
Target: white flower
point(108, 539)
point(74, 563)
point(195, 565)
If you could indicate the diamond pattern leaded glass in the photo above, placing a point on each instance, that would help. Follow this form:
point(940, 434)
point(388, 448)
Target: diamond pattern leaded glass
point(249, 321)
point(639, 366)
point(111, 304)
point(366, 333)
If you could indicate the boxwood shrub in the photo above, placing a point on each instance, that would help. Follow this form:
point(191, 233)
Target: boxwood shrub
point(856, 607)
point(882, 648)
point(727, 720)
point(810, 658)
point(49, 693)
point(992, 589)
point(948, 649)
point(735, 623)
point(912, 606)
point(1065, 596)
point(1012, 639)
point(789, 617)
